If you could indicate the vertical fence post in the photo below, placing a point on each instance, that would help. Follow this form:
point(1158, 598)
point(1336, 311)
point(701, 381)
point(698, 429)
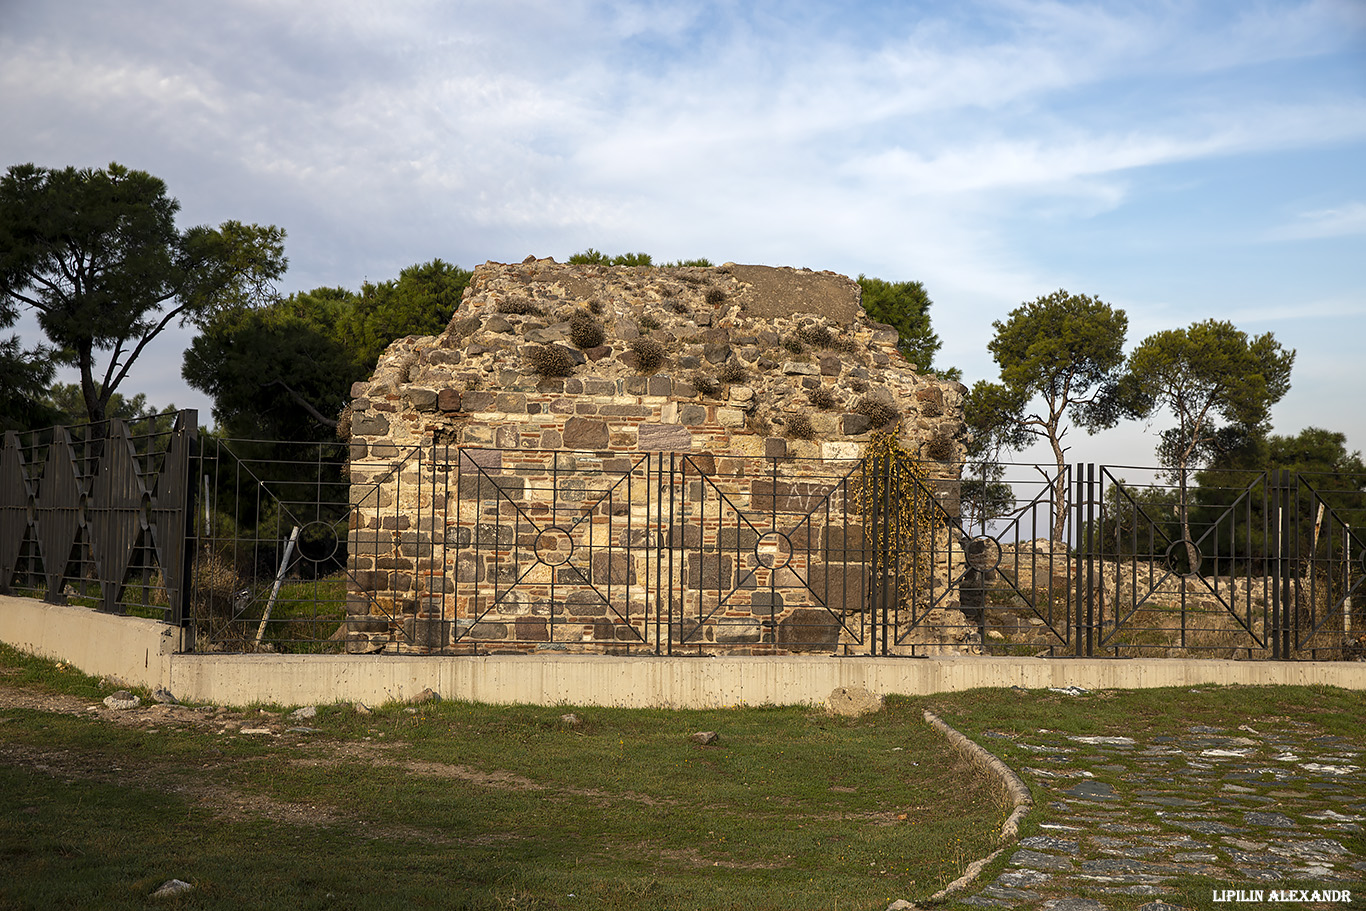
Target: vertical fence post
point(189, 465)
point(1078, 563)
point(1280, 607)
point(1090, 549)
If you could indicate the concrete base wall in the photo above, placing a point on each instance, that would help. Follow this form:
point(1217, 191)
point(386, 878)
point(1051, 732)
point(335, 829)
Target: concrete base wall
point(694, 682)
point(135, 650)
point(142, 653)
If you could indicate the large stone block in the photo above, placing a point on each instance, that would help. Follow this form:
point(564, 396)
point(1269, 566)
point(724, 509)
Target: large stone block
point(369, 424)
point(738, 631)
point(532, 629)
point(808, 630)
point(613, 567)
point(664, 438)
point(841, 587)
point(708, 571)
point(589, 603)
point(482, 486)
point(585, 433)
point(802, 497)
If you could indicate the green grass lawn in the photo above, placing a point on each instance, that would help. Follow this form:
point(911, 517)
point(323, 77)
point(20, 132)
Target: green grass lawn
point(456, 805)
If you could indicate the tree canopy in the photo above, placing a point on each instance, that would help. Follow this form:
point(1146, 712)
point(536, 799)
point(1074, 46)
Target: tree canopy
point(24, 376)
point(285, 371)
point(1060, 358)
point(905, 306)
point(98, 255)
point(1217, 382)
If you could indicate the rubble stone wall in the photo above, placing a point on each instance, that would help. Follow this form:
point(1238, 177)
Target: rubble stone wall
point(549, 380)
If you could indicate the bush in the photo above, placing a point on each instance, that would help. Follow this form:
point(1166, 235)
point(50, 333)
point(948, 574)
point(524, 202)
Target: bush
point(799, 427)
point(879, 414)
point(821, 398)
point(551, 360)
point(585, 331)
point(705, 384)
point(793, 345)
point(519, 308)
point(734, 372)
point(648, 321)
point(649, 354)
point(817, 336)
point(716, 297)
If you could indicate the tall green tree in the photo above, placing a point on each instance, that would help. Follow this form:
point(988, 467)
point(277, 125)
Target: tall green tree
point(1219, 384)
point(285, 371)
point(1060, 357)
point(1227, 496)
point(66, 405)
point(97, 254)
point(905, 306)
point(24, 376)
point(420, 301)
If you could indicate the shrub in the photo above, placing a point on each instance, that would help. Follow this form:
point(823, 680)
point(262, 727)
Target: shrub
point(793, 345)
point(707, 385)
point(716, 297)
point(550, 360)
point(733, 371)
point(817, 336)
point(679, 307)
point(940, 448)
point(821, 398)
point(595, 306)
point(585, 331)
point(649, 354)
point(648, 321)
point(519, 308)
point(879, 414)
point(799, 427)
point(858, 385)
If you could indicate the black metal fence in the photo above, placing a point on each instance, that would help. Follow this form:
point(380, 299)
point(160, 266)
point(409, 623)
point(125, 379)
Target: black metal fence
point(264, 545)
point(97, 514)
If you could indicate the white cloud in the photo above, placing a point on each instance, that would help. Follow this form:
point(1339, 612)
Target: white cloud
point(1341, 221)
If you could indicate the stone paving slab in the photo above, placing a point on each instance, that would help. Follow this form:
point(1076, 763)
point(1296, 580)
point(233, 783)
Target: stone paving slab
point(1125, 818)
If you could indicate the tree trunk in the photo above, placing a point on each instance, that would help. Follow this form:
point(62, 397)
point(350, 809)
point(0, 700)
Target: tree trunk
point(1059, 491)
point(94, 404)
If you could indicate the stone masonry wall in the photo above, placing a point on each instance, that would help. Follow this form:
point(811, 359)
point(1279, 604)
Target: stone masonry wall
point(550, 374)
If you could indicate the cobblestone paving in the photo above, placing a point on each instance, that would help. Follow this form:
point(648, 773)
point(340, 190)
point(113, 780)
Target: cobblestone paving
point(1126, 817)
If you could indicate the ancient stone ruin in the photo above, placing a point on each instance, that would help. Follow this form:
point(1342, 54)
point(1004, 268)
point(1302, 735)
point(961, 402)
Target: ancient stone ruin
point(659, 459)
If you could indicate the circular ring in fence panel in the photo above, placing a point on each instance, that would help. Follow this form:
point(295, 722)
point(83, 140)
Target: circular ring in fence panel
point(1183, 558)
point(773, 550)
point(318, 541)
point(554, 546)
point(983, 553)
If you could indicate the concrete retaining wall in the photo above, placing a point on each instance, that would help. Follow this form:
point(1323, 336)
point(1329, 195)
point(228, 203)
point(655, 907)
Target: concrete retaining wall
point(133, 649)
point(141, 652)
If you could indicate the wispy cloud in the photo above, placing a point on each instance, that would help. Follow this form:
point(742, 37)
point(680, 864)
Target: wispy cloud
point(1341, 221)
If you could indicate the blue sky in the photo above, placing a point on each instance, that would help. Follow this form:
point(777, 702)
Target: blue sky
point(1181, 160)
